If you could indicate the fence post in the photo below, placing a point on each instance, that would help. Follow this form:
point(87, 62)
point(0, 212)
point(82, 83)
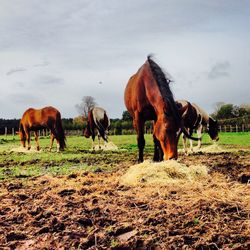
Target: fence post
point(6, 131)
point(225, 128)
point(243, 129)
point(220, 128)
point(13, 132)
point(236, 128)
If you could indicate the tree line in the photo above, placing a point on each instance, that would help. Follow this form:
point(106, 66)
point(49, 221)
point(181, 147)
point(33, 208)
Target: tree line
point(225, 113)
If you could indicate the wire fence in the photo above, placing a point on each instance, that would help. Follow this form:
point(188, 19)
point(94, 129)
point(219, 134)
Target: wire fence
point(114, 131)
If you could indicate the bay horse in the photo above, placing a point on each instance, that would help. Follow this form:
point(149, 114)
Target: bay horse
point(45, 118)
point(195, 118)
point(98, 124)
point(148, 97)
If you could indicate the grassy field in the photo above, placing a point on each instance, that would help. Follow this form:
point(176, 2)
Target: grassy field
point(78, 156)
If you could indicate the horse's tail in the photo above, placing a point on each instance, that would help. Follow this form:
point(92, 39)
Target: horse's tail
point(60, 131)
point(103, 130)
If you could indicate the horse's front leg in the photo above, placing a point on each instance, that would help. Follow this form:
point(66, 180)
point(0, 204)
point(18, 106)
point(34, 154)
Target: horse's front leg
point(99, 141)
point(36, 139)
point(184, 142)
point(27, 133)
point(139, 126)
point(199, 132)
point(158, 153)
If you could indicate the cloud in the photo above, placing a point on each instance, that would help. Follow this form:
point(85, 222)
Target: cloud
point(220, 69)
point(25, 98)
point(15, 70)
point(69, 47)
point(43, 64)
point(49, 80)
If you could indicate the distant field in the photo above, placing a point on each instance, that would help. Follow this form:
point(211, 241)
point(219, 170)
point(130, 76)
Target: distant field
point(127, 141)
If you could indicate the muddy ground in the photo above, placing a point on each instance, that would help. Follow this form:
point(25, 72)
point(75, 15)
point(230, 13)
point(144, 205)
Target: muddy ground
point(92, 210)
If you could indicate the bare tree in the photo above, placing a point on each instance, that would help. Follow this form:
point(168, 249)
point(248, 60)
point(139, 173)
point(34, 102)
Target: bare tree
point(87, 103)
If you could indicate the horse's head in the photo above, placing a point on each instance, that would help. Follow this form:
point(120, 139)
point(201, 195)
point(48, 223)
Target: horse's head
point(22, 135)
point(87, 132)
point(166, 131)
point(212, 129)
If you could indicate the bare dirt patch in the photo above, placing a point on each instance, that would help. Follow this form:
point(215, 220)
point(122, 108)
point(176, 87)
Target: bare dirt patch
point(87, 210)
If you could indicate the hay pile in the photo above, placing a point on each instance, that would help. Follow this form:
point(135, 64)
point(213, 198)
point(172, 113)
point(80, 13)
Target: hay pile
point(214, 148)
point(25, 150)
point(108, 146)
point(163, 173)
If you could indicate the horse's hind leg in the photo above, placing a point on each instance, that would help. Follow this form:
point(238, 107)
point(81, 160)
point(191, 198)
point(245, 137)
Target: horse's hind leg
point(36, 139)
point(139, 126)
point(93, 142)
point(54, 134)
point(52, 138)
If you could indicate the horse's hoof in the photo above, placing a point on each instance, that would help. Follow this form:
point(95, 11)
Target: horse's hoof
point(29, 148)
point(37, 148)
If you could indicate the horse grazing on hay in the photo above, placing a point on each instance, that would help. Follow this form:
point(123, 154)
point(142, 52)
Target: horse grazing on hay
point(148, 97)
point(45, 118)
point(195, 118)
point(97, 124)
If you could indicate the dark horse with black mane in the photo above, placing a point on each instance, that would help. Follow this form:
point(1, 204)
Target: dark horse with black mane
point(195, 118)
point(97, 124)
point(45, 118)
point(148, 97)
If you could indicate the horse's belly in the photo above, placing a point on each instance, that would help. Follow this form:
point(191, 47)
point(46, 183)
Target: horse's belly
point(37, 127)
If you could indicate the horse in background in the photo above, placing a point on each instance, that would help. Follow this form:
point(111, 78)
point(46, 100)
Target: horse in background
point(195, 118)
point(148, 97)
point(37, 119)
point(98, 124)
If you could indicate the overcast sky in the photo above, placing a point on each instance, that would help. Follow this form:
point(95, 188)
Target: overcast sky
point(54, 52)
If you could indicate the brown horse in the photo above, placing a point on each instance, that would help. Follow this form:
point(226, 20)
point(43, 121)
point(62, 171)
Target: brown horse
point(148, 97)
point(195, 118)
point(97, 123)
point(45, 118)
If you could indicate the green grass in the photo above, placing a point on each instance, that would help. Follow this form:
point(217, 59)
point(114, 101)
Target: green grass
point(78, 157)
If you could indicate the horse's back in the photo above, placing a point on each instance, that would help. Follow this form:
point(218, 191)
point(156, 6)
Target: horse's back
point(40, 117)
point(202, 112)
point(100, 115)
point(135, 94)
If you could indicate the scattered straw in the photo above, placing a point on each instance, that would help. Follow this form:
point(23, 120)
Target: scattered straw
point(107, 146)
point(162, 173)
point(25, 150)
point(214, 148)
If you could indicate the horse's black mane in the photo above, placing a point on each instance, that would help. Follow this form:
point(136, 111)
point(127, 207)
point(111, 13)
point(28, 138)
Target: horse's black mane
point(161, 79)
point(163, 84)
